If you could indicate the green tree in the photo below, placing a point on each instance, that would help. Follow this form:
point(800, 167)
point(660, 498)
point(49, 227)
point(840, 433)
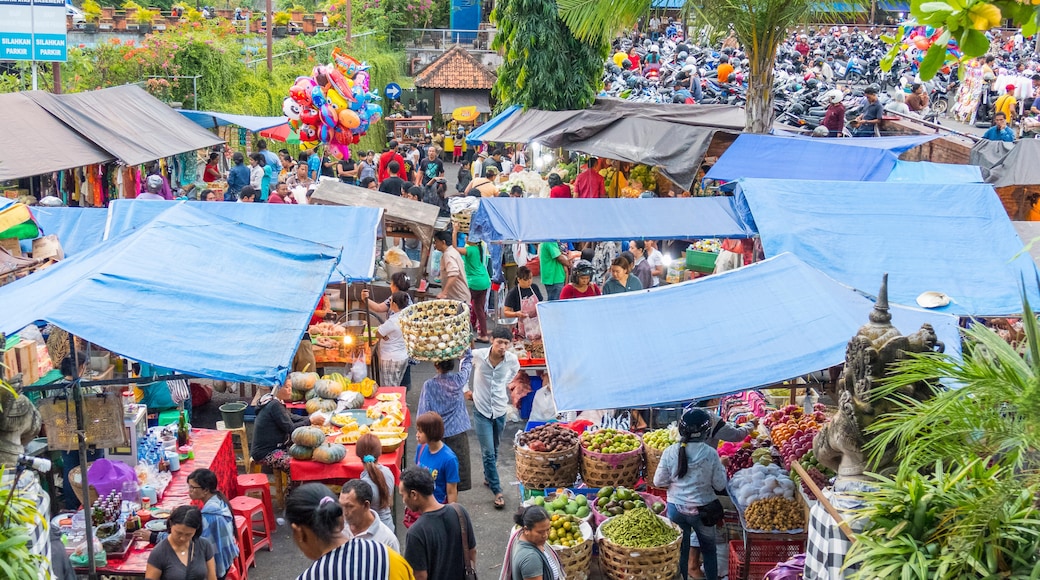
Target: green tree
point(760, 26)
point(546, 67)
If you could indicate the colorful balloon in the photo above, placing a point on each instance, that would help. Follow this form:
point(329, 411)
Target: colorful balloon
point(310, 116)
point(329, 118)
point(335, 99)
point(361, 79)
point(346, 64)
point(341, 84)
point(349, 119)
point(301, 93)
point(922, 42)
point(320, 76)
point(308, 133)
point(291, 108)
point(317, 96)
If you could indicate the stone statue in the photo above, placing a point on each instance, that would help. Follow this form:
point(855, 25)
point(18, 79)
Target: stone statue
point(19, 424)
point(840, 443)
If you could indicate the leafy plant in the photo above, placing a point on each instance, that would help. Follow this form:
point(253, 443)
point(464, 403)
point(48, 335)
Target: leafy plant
point(145, 16)
point(91, 11)
point(17, 517)
point(545, 66)
point(282, 18)
point(971, 522)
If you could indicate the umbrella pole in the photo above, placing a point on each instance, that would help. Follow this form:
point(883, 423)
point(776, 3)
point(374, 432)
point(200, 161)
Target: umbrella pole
point(81, 437)
point(367, 332)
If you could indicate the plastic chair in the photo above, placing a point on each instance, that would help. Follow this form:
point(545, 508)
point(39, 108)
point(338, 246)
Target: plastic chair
point(246, 461)
point(246, 555)
point(248, 508)
point(257, 483)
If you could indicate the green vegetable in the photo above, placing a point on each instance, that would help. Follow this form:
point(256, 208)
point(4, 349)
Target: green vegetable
point(639, 528)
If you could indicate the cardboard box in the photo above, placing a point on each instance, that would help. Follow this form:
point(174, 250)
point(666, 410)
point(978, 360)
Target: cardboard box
point(12, 246)
point(28, 361)
point(47, 247)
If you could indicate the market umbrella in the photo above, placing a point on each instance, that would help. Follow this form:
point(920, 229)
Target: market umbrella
point(465, 114)
point(282, 133)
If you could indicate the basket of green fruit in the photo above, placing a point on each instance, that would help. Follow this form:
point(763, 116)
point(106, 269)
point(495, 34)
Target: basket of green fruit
point(639, 544)
point(572, 539)
point(547, 456)
point(655, 442)
point(565, 503)
point(611, 457)
point(614, 501)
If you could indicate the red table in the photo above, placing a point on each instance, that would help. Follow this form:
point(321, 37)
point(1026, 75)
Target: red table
point(351, 466)
point(213, 450)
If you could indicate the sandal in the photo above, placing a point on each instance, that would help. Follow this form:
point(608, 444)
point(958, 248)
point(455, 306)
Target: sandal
point(500, 502)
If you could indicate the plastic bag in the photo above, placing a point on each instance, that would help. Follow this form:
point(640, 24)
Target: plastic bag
point(543, 407)
point(78, 557)
point(106, 476)
point(358, 370)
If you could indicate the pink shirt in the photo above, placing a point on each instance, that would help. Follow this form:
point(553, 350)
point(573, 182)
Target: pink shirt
point(589, 184)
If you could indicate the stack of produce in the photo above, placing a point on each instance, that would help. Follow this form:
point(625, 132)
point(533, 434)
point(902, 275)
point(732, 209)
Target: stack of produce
point(309, 444)
point(767, 496)
point(611, 501)
point(820, 474)
point(708, 245)
point(611, 457)
point(639, 544)
point(302, 384)
point(655, 442)
point(563, 502)
point(436, 330)
point(547, 456)
point(329, 391)
point(571, 539)
point(737, 456)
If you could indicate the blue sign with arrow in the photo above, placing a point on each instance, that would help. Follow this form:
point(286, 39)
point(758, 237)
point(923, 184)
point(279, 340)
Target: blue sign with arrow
point(393, 91)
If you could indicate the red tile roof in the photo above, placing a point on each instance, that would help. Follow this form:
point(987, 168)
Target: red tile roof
point(455, 69)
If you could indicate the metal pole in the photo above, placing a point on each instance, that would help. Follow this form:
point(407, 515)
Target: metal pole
point(81, 438)
point(270, 38)
point(35, 86)
point(56, 69)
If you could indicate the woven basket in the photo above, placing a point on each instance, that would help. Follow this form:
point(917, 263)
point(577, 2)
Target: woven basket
point(104, 428)
point(599, 518)
point(577, 560)
point(653, 457)
point(602, 469)
point(462, 220)
point(541, 469)
point(76, 479)
point(620, 563)
point(436, 330)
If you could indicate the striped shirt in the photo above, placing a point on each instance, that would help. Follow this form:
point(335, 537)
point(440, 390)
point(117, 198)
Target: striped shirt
point(443, 394)
point(359, 559)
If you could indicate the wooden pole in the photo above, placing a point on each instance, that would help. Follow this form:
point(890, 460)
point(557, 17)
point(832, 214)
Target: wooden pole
point(56, 69)
point(845, 529)
point(350, 18)
point(81, 439)
point(270, 38)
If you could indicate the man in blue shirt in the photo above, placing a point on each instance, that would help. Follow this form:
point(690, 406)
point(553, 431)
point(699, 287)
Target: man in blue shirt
point(271, 159)
point(1000, 130)
point(314, 164)
point(238, 177)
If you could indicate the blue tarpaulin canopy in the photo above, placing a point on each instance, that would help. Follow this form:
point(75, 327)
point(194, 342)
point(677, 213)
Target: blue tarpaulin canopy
point(954, 239)
point(927, 172)
point(751, 327)
point(667, 4)
point(776, 157)
point(503, 219)
point(354, 229)
point(77, 228)
point(894, 5)
point(214, 119)
point(189, 291)
point(475, 136)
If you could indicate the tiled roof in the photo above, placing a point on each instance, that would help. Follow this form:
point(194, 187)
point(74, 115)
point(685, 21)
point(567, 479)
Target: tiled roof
point(455, 69)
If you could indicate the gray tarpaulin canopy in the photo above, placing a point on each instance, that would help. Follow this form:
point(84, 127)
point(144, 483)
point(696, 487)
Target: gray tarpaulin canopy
point(672, 137)
point(38, 143)
point(127, 122)
point(451, 100)
point(1028, 232)
point(1019, 166)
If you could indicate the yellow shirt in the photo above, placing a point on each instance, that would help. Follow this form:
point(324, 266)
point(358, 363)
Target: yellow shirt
point(400, 569)
point(1006, 104)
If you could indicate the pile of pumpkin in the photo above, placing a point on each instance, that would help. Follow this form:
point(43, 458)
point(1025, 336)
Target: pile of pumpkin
point(309, 445)
point(324, 393)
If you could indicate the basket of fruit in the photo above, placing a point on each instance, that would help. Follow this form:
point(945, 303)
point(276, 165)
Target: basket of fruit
point(654, 444)
point(547, 456)
point(614, 501)
point(566, 503)
point(436, 330)
point(572, 539)
point(611, 457)
point(639, 544)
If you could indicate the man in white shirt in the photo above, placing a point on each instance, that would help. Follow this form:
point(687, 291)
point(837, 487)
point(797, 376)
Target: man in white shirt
point(493, 369)
point(362, 521)
point(655, 258)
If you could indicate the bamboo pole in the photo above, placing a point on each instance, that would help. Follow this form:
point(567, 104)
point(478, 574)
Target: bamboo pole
point(845, 529)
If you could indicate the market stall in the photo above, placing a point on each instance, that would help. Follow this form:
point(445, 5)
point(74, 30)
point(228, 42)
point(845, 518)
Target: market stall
point(156, 294)
point(953, 239)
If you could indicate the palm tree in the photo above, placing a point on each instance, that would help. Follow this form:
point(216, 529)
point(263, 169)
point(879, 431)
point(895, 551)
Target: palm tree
point(760, 26)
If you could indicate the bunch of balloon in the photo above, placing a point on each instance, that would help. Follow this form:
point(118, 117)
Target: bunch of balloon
point(333, 106)
point(923, 37)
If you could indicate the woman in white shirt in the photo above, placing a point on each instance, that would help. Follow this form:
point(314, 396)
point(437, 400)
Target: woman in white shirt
point(393, 354)
point(691, 471)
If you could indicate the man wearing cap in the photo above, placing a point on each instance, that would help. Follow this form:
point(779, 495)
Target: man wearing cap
point(1007, 103)
point(870, 119)
point(152, 186)
point(478, 165)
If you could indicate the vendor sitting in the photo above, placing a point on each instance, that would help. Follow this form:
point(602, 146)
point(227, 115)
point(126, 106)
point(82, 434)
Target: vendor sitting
point(273, 427)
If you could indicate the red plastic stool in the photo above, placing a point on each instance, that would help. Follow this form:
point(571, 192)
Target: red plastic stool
point(249, 508)
point(257, 483)
point(246, 556)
